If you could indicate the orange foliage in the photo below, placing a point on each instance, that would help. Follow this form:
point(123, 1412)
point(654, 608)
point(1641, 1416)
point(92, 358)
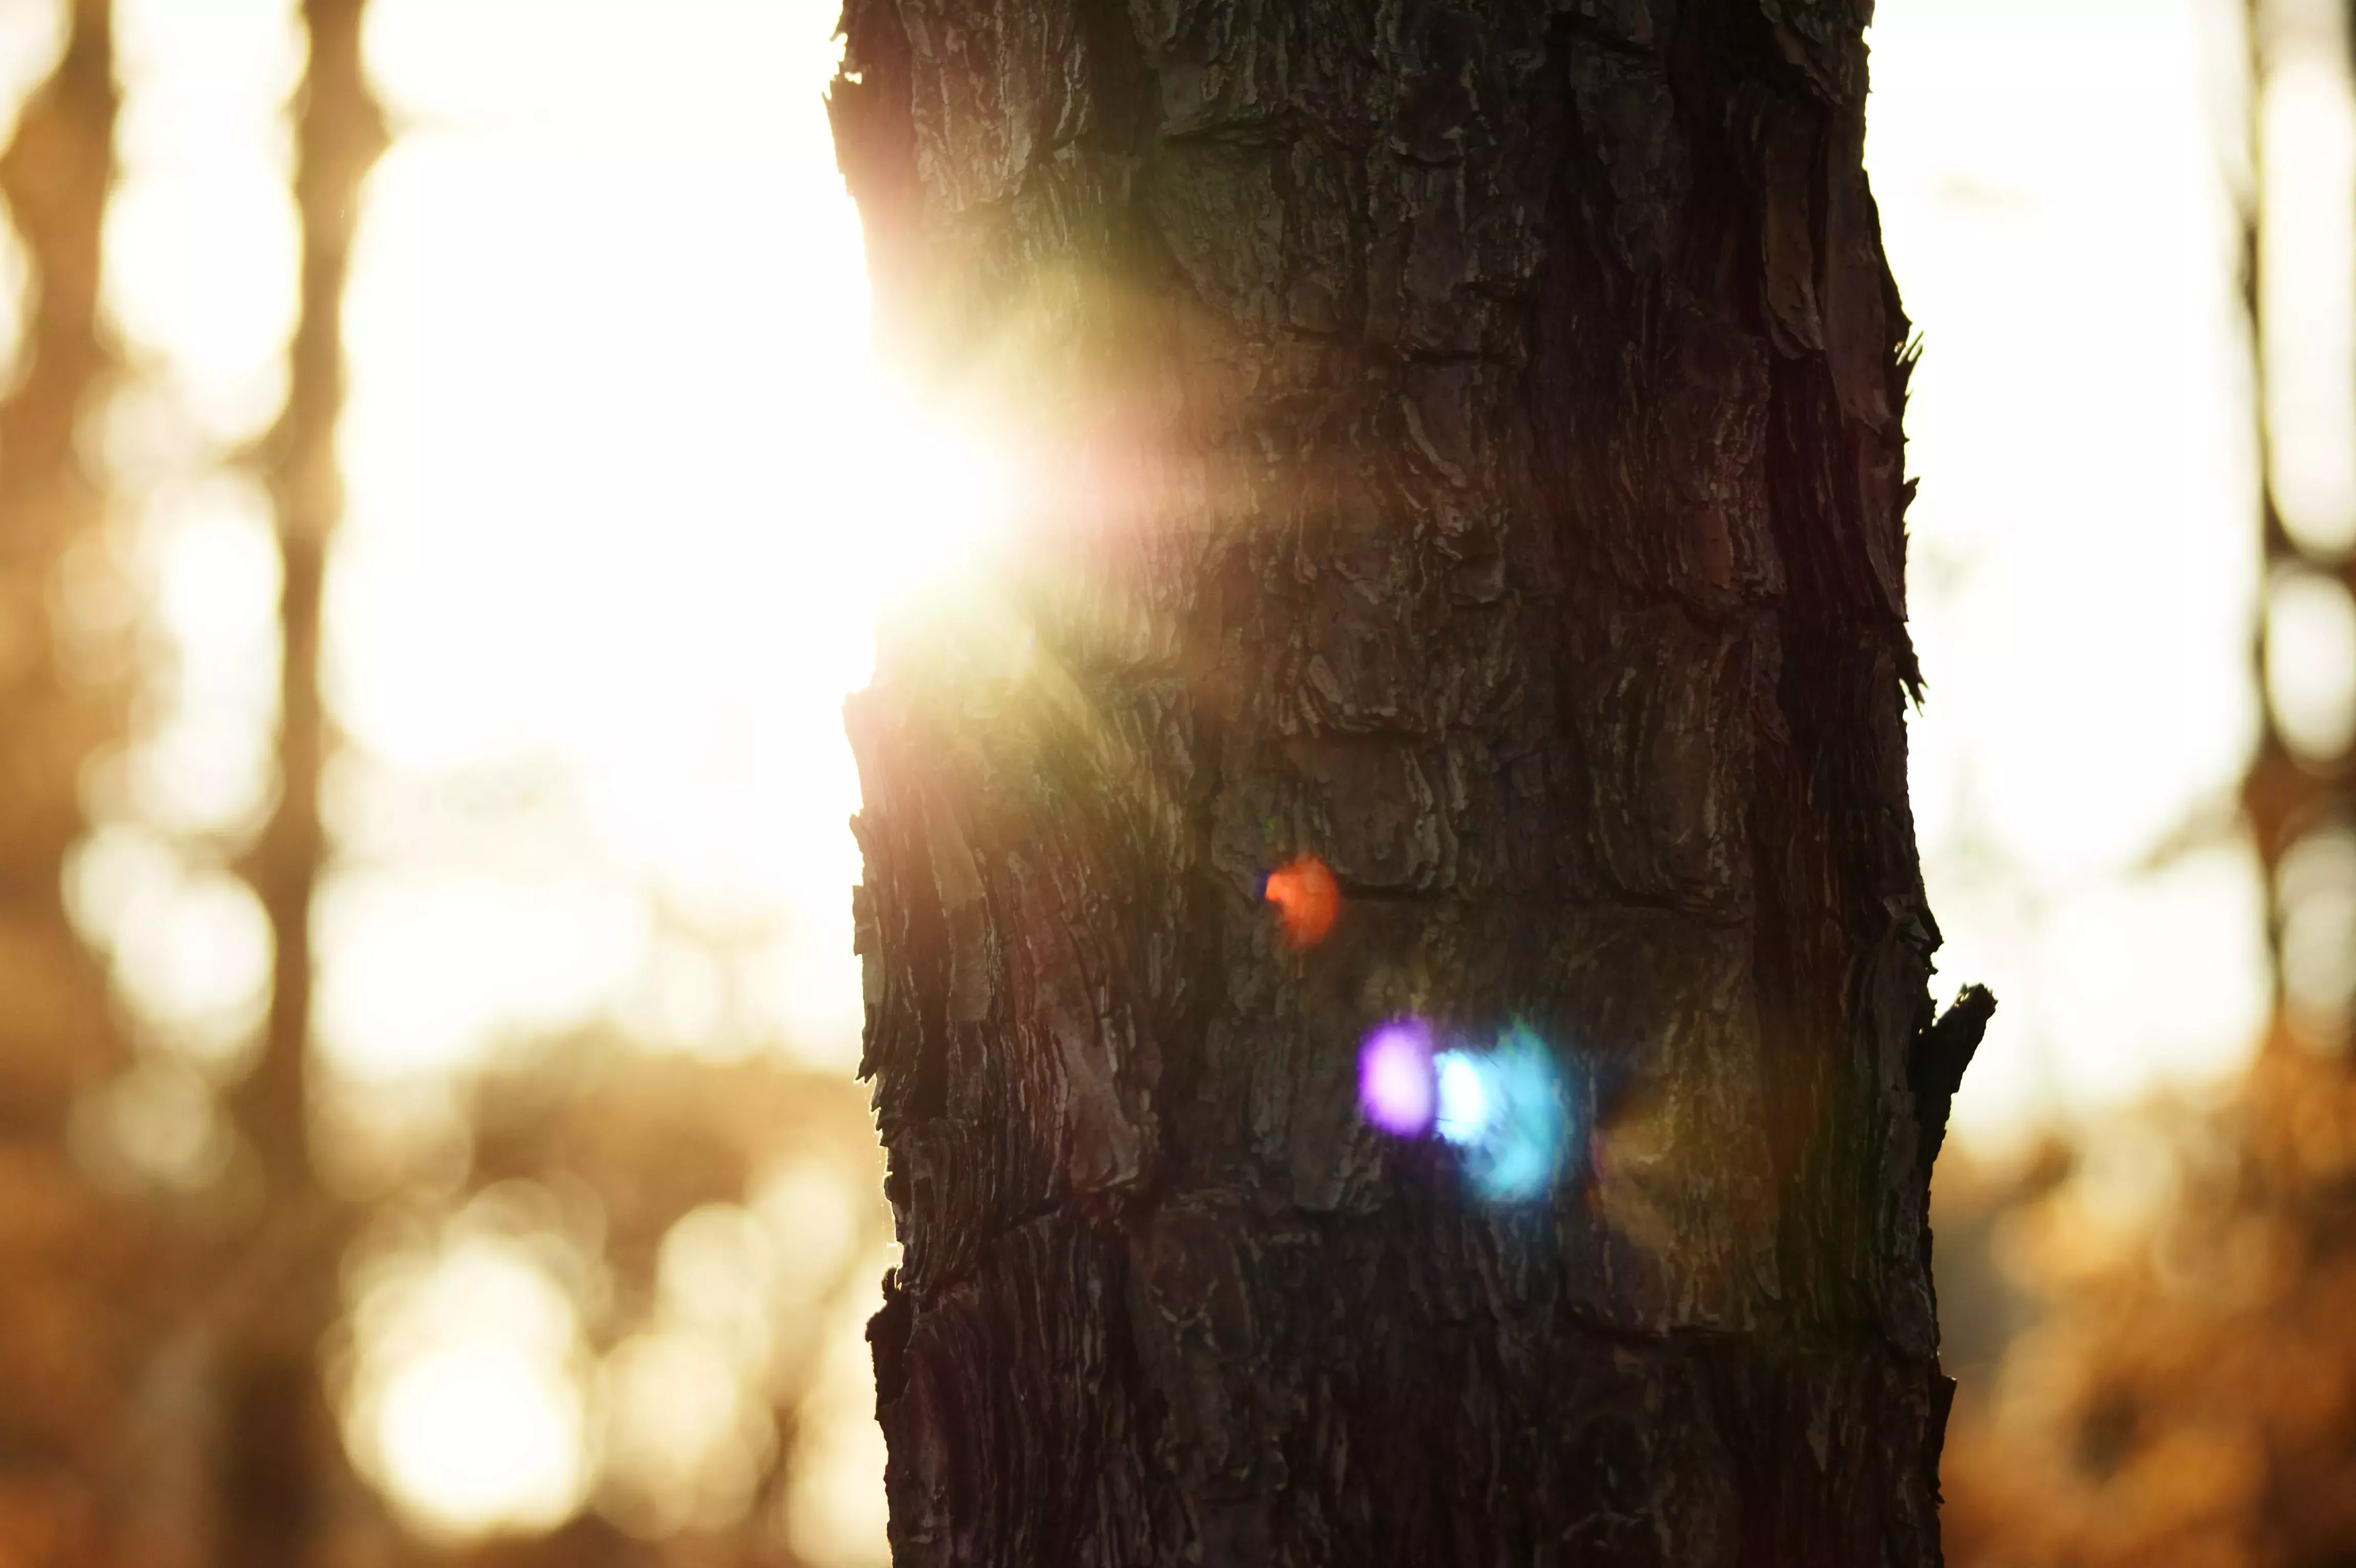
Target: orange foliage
point(2188, 1399)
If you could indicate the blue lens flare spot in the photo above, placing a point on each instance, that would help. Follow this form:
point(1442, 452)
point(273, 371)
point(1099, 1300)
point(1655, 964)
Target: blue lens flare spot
point(1466, 1104)
point(1524, 1144)
point(1505, 1108)
point(1502, 1108)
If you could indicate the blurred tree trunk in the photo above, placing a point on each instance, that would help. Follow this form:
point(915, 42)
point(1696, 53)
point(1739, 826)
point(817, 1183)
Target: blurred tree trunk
point(1467, 448)
point(2287, 796)
point(280, 1461)
point(66, 1254)
point(2193, 1406)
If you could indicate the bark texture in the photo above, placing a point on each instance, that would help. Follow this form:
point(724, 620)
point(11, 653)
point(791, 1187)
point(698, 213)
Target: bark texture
point(1468, 450)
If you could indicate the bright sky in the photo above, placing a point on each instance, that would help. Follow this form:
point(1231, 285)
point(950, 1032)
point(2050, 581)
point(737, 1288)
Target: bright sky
point(2083, 561)
point(601, 534)
point(625, 490)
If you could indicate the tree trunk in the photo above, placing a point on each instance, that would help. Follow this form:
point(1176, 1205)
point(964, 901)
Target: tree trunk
point(72, 1262)
point(280, 1463)
point(2289, 794)
point(1467, 452)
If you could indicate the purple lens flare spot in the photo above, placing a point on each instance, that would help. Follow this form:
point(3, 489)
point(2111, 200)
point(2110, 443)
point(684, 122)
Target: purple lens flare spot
point(1397, 1088)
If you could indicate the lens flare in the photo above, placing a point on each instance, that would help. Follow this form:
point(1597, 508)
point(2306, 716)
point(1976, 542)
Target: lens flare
point(1466, 1105)
point(1397, 1088)
point(1502, 1108)
point(1307, 898)
point(1525, 1128)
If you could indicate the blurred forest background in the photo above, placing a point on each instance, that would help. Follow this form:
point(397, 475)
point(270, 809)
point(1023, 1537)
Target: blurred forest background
point(445, 495)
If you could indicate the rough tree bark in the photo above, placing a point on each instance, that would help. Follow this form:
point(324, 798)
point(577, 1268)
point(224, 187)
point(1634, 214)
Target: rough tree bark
point(1468, 450)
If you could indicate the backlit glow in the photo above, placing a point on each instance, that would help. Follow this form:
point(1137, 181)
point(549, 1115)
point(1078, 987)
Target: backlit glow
point(650, 537)
point(2080, 569)
point(2308, 128)
point(627, 491)
point(468, 1402)
point(685, 1434)
point(482, 1434)
point(2311, 661)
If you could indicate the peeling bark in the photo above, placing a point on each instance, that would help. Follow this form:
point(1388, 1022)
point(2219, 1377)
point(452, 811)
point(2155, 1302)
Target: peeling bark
point(1471, 455)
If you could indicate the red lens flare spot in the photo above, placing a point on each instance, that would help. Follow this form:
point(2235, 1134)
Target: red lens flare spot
point(1307, 898)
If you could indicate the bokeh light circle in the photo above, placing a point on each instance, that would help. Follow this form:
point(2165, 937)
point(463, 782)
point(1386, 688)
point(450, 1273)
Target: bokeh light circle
point(1398, 1090)
point(1502, 1108)
point(1306, 898)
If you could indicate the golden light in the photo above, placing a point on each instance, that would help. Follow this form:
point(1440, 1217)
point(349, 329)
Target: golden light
point(685, 1437)
point(617, 578)
point(2308, 128)
point(2319, 936)
point(628, 492)
point(2052, 527)
point(478, 1435)
point(633, 554)
point(202, 243)
point(834, 1510)
point(208, 567)
point(466, 1401)
point(2311, 661)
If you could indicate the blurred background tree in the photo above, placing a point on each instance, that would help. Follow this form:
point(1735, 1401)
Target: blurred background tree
point(277, 1470)
point(2184, 1388)
point(592, 1294)
point(70, 1333)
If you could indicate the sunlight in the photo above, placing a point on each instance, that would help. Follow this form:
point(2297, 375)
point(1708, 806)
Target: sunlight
point(834, 1509)
point(2056, 508)
point(686, 1437)
point(652, 543)
point(2312, 662)
point(592, 616)
point(431, 971)
point(477, 1433)
point(628, 492)
point(205, 765)
point(933, 498)
point(467, 1406)
point(2309, 132)
point(202, 243)
point(622, 572)
point(190, 945)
